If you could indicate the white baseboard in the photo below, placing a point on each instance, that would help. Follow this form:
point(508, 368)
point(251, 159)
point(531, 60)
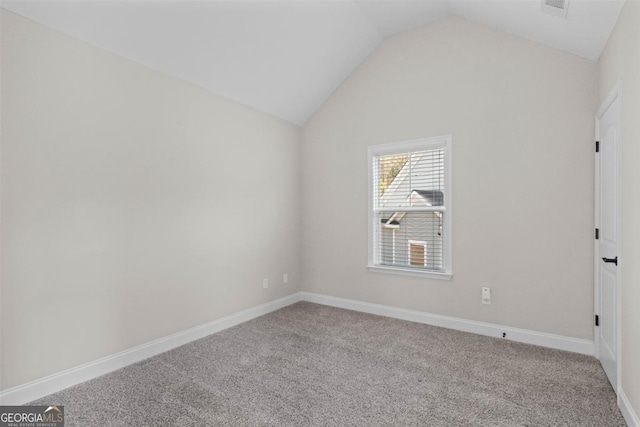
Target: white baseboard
point(559, 342)
point(53, 383)
point(628, 413)
point(33, 390)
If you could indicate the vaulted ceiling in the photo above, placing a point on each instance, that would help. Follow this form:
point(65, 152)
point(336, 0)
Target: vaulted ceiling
point(286, 57)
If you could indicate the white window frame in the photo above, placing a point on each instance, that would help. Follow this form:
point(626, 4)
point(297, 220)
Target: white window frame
point(423, 144)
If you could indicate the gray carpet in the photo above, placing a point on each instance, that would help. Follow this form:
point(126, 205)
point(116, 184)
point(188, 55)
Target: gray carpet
point(312, 365)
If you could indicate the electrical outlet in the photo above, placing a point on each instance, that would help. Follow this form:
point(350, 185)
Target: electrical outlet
point(486, 296)
point(285, 278)
point(265, 283)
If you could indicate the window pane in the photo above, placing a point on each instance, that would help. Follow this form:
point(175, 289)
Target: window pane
point(411, 179)
point(396, 230)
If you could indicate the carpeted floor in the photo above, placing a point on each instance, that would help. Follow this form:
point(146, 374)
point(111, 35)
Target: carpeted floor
point(312, 365)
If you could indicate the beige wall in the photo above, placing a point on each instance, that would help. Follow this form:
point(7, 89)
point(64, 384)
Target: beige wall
point(122, 202)
point(134, 205)
point(522, 118)
point(621, 60)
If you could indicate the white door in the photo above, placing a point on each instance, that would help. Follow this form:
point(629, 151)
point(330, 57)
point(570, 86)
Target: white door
point(608, 234)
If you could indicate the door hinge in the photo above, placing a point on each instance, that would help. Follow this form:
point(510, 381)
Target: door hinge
point(597, 320)
point(597, 233)
point(597, 146)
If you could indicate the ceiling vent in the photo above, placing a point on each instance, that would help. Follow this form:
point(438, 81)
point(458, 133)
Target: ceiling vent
point(556, 7)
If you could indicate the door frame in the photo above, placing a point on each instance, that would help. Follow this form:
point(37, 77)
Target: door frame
point(615, 94)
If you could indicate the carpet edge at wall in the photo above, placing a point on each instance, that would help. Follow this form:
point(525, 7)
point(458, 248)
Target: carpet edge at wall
point(39, 388)
point(33, 390)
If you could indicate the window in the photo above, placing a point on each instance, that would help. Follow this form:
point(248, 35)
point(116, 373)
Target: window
point(410, 207)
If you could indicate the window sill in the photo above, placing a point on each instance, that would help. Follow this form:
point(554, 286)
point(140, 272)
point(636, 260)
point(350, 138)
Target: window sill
point(409, 272)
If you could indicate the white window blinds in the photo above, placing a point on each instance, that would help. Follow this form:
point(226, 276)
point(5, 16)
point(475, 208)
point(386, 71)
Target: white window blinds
point(409, 206)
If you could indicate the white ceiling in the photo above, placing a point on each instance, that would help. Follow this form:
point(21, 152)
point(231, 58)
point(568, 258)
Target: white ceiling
point(286, 57)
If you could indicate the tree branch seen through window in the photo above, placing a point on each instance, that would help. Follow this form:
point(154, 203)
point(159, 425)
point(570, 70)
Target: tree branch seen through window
point(390, 167)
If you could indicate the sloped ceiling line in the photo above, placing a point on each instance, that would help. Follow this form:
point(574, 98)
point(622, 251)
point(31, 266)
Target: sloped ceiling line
point(286, 57)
